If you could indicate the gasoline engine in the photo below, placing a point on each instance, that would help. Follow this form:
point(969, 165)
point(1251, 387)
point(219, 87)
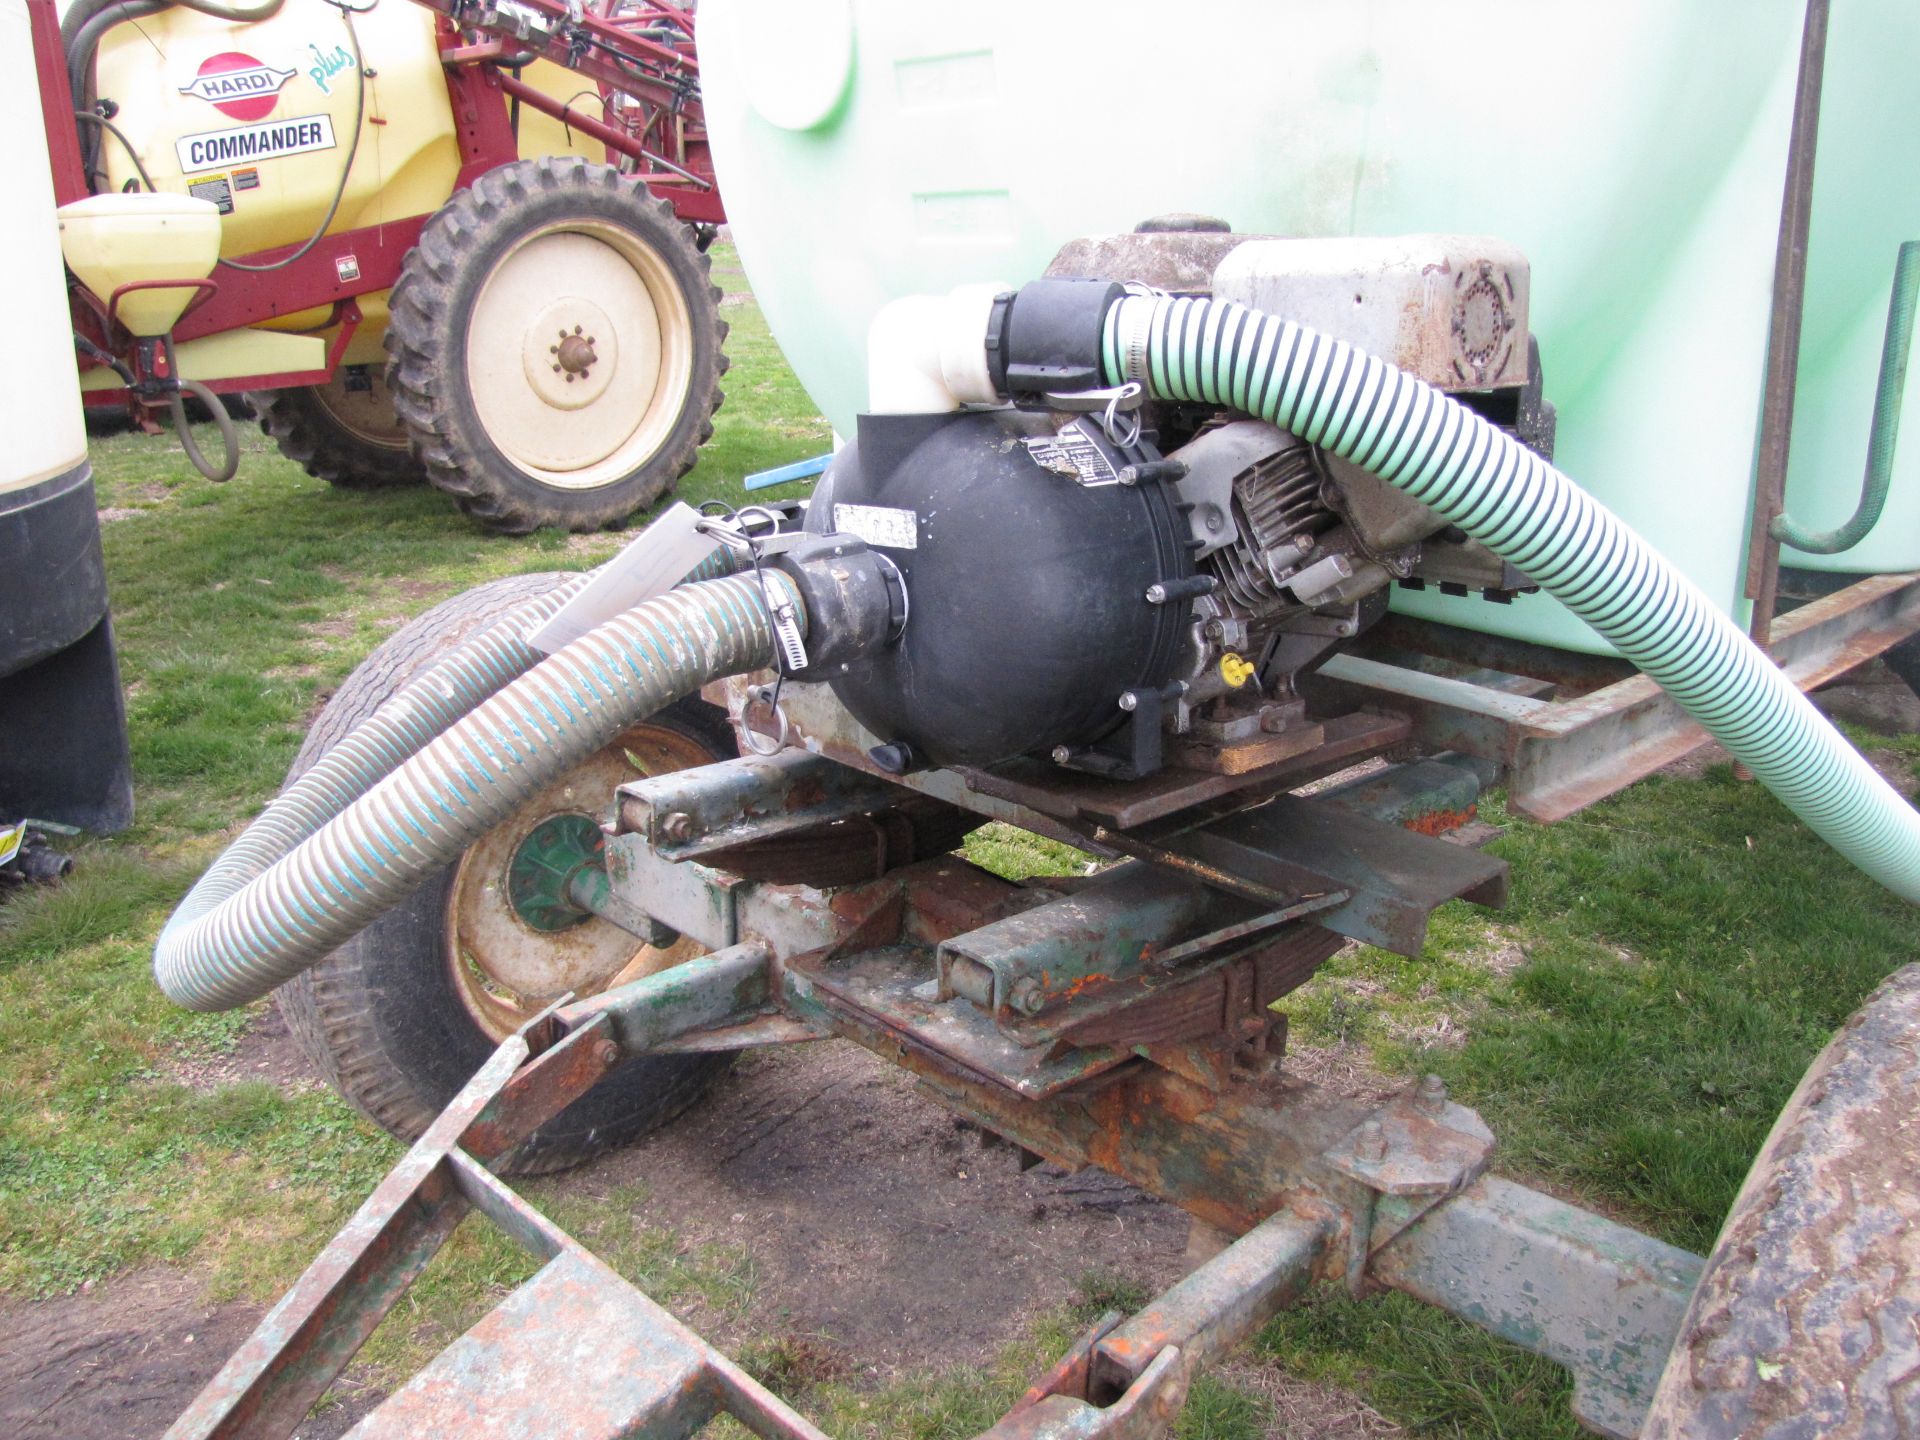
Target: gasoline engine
point(1117, 582)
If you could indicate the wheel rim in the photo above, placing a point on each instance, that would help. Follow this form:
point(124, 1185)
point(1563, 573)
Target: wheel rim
point(366, 414)
point(504, 968)
point(579, 354)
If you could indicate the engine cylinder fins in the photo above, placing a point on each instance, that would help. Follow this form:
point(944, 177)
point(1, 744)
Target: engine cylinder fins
point(1274, 500)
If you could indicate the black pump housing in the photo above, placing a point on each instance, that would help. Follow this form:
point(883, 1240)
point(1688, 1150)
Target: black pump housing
point(1026, 587)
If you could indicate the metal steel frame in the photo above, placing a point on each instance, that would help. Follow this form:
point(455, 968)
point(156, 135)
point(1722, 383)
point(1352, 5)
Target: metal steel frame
point(1182, 1100)
point(1498, 700)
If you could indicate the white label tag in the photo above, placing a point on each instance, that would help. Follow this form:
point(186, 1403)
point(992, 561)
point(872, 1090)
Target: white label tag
point(269, 140)
point(1072, 453)
point(879, 525)
point(657, 560)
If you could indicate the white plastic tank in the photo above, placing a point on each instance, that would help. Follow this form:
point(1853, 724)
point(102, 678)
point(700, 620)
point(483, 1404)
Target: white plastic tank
point(1635, 151)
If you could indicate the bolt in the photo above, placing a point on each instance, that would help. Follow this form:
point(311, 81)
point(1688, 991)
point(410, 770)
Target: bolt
point(1028, 996)
point(607, 1053)
point(1431, 1098)
point(572, 378)
point(1061, 754)
point(1129, 701)
point(1371, 1144)
point(1156, 594)
point(676, 825)
point(1273, 721)
point(556, 369)
point(553, 350)
point(576, 329)
point(1215, 631)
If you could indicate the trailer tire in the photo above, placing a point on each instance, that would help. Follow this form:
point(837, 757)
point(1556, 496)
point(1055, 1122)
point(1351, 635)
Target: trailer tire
point(533, 257)
point(1807, 1317)
point(390, 1018)
point(347, 437)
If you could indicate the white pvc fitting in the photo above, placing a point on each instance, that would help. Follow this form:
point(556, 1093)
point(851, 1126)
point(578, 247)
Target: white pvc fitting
point(926, 353)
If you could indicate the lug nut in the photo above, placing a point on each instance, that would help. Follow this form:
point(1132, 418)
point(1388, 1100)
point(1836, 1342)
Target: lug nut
point(1431, 1098)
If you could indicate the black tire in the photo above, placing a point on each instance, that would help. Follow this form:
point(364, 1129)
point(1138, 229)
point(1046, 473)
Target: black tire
point(382, 1019)
point(435, 309)
point(344, 433)
point(1807, 1318)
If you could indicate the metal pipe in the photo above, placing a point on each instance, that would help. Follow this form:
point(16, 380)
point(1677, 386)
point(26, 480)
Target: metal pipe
point(1883, 435)
point(607, 135)
point(1783, 336)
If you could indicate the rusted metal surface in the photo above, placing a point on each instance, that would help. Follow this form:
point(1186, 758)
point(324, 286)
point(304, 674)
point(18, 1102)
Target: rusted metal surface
point(1292, 847)
point(1061, 804)
point(1561, 756)
point(724, 988)
point(1783, 328)
point(690, 813)
point(1600, 1299)
point(1418, 1144)
point(1221, 1303)
point(1020, 965)
point(1807, 1320)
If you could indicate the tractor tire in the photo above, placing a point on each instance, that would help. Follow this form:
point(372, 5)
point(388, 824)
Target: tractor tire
point(400, 1017)
point(1807, 1318)
point(345, 435)
point(554, 345)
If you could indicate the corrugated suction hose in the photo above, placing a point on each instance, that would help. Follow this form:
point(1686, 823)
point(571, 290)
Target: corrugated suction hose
point(438, 765)
point(1443, 455)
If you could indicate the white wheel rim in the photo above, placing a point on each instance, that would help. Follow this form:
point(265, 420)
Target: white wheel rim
point(367, 414)
point(505, 971)
point(610, 407)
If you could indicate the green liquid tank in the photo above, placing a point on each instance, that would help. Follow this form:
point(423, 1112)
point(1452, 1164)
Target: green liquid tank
point(1635, 152)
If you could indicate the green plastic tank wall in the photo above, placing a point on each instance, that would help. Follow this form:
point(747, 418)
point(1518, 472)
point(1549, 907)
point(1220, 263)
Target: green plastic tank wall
point(1635, 151)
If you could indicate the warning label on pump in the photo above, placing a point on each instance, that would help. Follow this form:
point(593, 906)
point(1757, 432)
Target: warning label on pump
point(879, 525)
point(1072, 452)
point(268, 141)
point(216, 189)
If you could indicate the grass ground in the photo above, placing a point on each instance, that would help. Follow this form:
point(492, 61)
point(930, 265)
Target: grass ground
point(1671, 960)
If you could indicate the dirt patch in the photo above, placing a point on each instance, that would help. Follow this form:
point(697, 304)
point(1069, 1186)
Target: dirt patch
point(1304, 1408)
point(110, 513)
point(878, 1222)
point(1343, 1070)
point(121, 1361)
point(265, 1052)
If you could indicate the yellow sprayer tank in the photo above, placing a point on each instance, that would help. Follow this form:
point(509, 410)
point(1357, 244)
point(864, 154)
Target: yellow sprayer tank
point(259, 118)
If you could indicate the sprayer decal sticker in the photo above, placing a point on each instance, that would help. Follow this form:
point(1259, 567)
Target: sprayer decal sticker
point(217, 149)
point(326, 66)
point(216, 188)
point(236, 84)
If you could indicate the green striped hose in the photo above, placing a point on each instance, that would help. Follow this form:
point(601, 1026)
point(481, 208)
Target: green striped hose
point(1443, 455)
point(439, 764)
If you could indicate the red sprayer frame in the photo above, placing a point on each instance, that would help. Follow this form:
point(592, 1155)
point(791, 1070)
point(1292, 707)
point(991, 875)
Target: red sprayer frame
point(651, 117)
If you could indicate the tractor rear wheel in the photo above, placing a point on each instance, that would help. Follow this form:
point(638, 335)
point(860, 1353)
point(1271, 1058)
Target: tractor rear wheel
point(554, 347)
point(400, 1017)
point(343, 432)
point(1807, 1318)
